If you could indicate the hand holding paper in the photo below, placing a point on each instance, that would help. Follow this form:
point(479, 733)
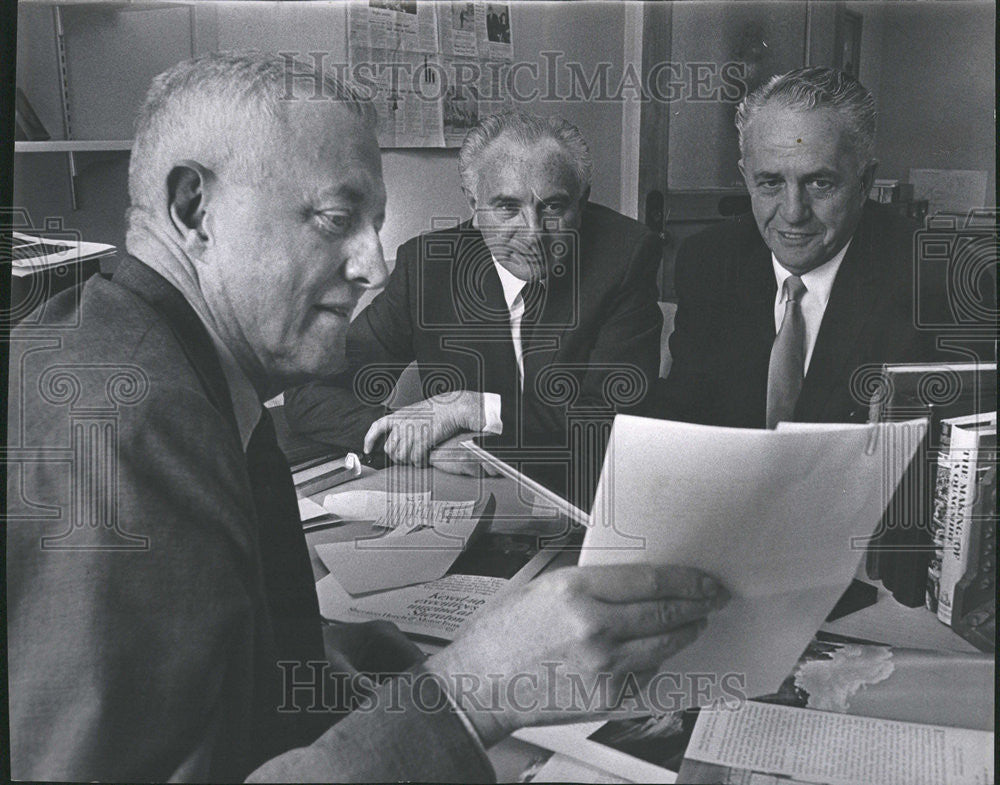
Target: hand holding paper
point(580, 631)
point(781, 517)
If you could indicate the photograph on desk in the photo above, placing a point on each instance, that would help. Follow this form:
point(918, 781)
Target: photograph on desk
point(551, 374)
point(834, 675)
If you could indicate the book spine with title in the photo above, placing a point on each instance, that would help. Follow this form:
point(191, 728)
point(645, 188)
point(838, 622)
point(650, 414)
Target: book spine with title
point(971, 451)
point(939, 509)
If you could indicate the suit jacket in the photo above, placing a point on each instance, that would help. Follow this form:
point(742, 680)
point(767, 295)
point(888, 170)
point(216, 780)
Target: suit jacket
point(724, 327)
point(152, 589)
point(443, 306)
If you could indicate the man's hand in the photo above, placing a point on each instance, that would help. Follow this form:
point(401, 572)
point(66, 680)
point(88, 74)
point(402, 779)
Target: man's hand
point(413, 431)
point(531, 659)
point(451, 457)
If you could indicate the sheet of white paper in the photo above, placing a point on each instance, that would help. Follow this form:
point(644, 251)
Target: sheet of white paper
point(562, 768)
point(406, 555)
point(367, 505)
point(401, 512)
point(53, 252)
point(780, 517)
point(438, 608)
point(572, 740)
point(308, 509)
point(808, 746)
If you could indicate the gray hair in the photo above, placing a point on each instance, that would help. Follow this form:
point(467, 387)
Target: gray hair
point(525, 129)
point(814, 88)
point(219, 109)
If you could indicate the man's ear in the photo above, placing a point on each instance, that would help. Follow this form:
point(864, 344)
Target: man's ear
point(472, 202)
point(188, 188)
point(584, 197)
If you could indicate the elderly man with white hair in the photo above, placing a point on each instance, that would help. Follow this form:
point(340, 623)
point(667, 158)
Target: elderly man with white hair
point(540, 307)
point(162, 621)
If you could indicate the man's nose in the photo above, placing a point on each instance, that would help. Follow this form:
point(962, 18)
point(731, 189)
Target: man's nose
point(365, 264)
point(530, 220)
point(795, 205)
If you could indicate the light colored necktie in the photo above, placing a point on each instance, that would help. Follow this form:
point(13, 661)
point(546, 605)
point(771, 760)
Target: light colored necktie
point(788, 356)
point(533, 297)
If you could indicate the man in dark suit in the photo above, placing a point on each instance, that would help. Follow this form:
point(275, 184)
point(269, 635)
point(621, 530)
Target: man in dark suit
point(540, 310)
point(780, 313)
point(162, 621)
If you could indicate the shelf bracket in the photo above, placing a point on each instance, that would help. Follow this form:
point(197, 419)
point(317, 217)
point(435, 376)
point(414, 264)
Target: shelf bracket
point(64, 100)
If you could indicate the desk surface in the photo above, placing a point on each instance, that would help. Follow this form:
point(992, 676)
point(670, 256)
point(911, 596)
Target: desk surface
point(885, 622)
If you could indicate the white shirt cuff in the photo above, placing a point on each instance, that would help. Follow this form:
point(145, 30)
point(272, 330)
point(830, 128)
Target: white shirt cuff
point(491, 414)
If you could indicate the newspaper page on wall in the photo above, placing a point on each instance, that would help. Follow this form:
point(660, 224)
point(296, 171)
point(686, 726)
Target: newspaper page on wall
point(432, 69)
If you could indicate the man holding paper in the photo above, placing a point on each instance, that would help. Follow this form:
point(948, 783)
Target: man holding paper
point(162, 620)
point(778, 311)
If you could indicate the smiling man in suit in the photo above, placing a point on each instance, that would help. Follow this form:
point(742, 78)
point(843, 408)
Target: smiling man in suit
point(776, 311)
point(542, 306)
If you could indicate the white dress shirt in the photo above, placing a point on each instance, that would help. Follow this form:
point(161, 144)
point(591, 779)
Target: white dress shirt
point(819, 284)
point(246, 403)
point(512, 286)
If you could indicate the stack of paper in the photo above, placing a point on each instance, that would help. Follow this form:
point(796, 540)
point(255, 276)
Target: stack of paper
point(426, 565)
point(780, 517)
point(30, 254)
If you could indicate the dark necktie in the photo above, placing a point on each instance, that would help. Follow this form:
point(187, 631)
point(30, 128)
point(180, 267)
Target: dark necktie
point(533, 296)
point(786, 368)
point(292, 607)
point(284, 558)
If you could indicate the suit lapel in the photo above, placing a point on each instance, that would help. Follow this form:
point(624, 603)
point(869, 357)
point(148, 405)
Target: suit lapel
point(163, 297)
point(482, 318)
point(849, 311)
point(752, 298)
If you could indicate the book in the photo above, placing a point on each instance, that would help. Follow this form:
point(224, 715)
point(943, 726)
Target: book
point(900, 552)
point(939, 508)
point(972, 451)
point(974, 605)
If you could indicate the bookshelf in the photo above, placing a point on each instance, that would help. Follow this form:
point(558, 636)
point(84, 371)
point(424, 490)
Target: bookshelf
point(85, 68)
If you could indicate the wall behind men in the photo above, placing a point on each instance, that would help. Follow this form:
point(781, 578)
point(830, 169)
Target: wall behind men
point(113, 51)
point(937, 94)
point(423, 185)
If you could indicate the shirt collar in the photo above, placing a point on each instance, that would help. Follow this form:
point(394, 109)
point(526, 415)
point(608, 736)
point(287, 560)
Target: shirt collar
point(818, 282)
point(246, 404)
point(512, 285)
point(162, 255)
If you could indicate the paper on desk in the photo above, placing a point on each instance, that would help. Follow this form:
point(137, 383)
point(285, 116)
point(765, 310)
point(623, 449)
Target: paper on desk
point(308, 510)
point(780, 517)
point(802, 745)
point(415, 549)
point(400, 512)
point(437, 609)
point(563, 768)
